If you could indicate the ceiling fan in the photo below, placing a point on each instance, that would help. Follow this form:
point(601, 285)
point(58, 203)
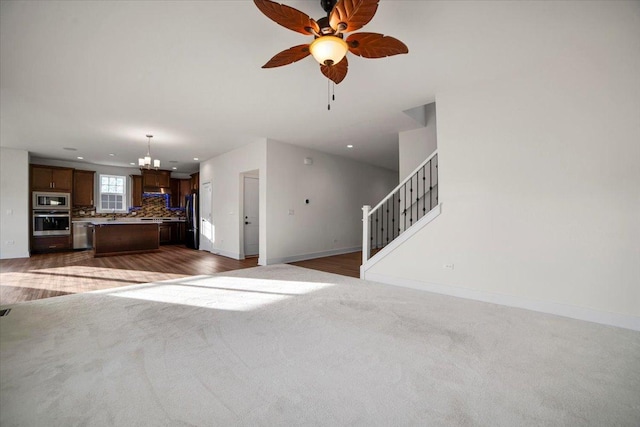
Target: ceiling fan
point(329, 47)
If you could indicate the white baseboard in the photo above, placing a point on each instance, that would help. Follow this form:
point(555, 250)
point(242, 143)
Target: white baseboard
point(16, 256)
point(581, 313)
point(313, 255)
point(227, 254)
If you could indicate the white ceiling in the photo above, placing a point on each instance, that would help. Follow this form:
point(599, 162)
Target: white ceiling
point(98, 76)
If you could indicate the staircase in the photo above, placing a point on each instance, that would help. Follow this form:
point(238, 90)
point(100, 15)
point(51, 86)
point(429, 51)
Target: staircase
point(409, 207)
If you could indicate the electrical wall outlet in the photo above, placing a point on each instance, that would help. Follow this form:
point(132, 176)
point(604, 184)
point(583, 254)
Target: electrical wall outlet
point(448, 266)
point(10, 242)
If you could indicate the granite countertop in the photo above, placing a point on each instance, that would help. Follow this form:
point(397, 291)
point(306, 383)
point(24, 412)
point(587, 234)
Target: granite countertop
point(116, 222)
point(128, 220)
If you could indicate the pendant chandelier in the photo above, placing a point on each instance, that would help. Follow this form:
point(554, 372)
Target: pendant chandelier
point(145, 162)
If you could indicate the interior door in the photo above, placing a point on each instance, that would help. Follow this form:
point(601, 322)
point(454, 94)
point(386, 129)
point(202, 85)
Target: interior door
point(206, 226)
point(251, 223)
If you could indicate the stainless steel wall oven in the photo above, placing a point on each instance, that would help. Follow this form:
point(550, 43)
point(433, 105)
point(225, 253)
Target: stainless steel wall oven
point(51, 223)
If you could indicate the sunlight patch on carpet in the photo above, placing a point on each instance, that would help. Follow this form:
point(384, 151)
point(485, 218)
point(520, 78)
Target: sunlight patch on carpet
point(222, 293)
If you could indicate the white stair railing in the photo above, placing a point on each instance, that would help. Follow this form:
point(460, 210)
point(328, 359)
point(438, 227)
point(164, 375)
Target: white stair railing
point(412, 199)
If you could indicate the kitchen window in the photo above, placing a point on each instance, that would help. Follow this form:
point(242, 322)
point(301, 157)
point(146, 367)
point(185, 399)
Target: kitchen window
point(113, 192)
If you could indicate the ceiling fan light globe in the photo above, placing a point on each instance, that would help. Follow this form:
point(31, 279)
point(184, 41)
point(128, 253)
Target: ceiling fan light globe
point(328, 50)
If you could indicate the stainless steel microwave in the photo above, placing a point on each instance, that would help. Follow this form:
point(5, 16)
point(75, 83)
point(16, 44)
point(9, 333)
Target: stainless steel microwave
point(44, 200)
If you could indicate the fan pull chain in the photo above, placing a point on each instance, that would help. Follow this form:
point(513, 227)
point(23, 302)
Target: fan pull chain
point(331, 93)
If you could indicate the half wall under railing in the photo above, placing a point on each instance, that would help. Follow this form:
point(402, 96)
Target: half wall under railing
point(414, 198)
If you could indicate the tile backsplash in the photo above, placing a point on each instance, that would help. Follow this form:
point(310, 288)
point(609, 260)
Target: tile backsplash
point(153, 205)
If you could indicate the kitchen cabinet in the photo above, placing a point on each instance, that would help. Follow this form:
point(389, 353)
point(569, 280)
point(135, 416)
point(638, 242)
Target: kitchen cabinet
point(172, 232)
point(195, 181)
point(166, 233)
point(174, 200)
point(51, 178)
point(155, 178)
point(181, 235)
point(136, 190)
point(185, 190)
point(179, 189)
point(83, 188)
point(116, 238)
point(50, 243)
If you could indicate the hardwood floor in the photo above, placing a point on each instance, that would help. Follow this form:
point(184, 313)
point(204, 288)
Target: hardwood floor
point(345, 264)
point(51, 275)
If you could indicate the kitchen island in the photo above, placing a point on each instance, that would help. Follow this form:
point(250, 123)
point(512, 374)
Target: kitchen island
point(125, 237)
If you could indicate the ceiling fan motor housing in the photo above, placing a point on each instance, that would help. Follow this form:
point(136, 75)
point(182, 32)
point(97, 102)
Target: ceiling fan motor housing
point(325, 28)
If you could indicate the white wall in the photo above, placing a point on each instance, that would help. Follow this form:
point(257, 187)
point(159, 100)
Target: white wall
point(416, 145)
point(540, 183)
point(14, 203)
point(336, 187)
point(224, 174)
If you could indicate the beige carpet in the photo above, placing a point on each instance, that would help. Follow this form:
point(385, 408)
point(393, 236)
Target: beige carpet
point(283, 345)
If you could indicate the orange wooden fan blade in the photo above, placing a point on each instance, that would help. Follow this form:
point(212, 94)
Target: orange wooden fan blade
point(351, 15)
point(288, 56)
point(374, 45)
point(288, 17)
point(336, 73)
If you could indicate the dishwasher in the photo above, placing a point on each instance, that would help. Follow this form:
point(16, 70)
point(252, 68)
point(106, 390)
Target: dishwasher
point(82, 235)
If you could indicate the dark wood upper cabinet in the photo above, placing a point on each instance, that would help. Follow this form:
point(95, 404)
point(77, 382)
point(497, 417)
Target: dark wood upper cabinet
point(136, 190)
point(83, 188)
point(185, 189)
point(195, 181)
point(149, 179)
point(175, 193)
point(155, 178)
point(179, 189)
point(51, 178)
point(164, 178)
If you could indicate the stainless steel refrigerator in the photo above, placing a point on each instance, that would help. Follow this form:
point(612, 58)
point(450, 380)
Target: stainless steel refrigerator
point(192, 221)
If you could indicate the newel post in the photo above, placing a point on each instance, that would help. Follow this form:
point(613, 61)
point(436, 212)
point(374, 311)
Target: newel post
point(366, 239)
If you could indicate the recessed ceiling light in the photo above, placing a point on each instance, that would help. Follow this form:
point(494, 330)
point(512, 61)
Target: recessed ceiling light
point(196, 159)
point(350, 146)
point(174, 168)
point(70, 149)
point(133, 164)
point(80, 158)
point(111, 154)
